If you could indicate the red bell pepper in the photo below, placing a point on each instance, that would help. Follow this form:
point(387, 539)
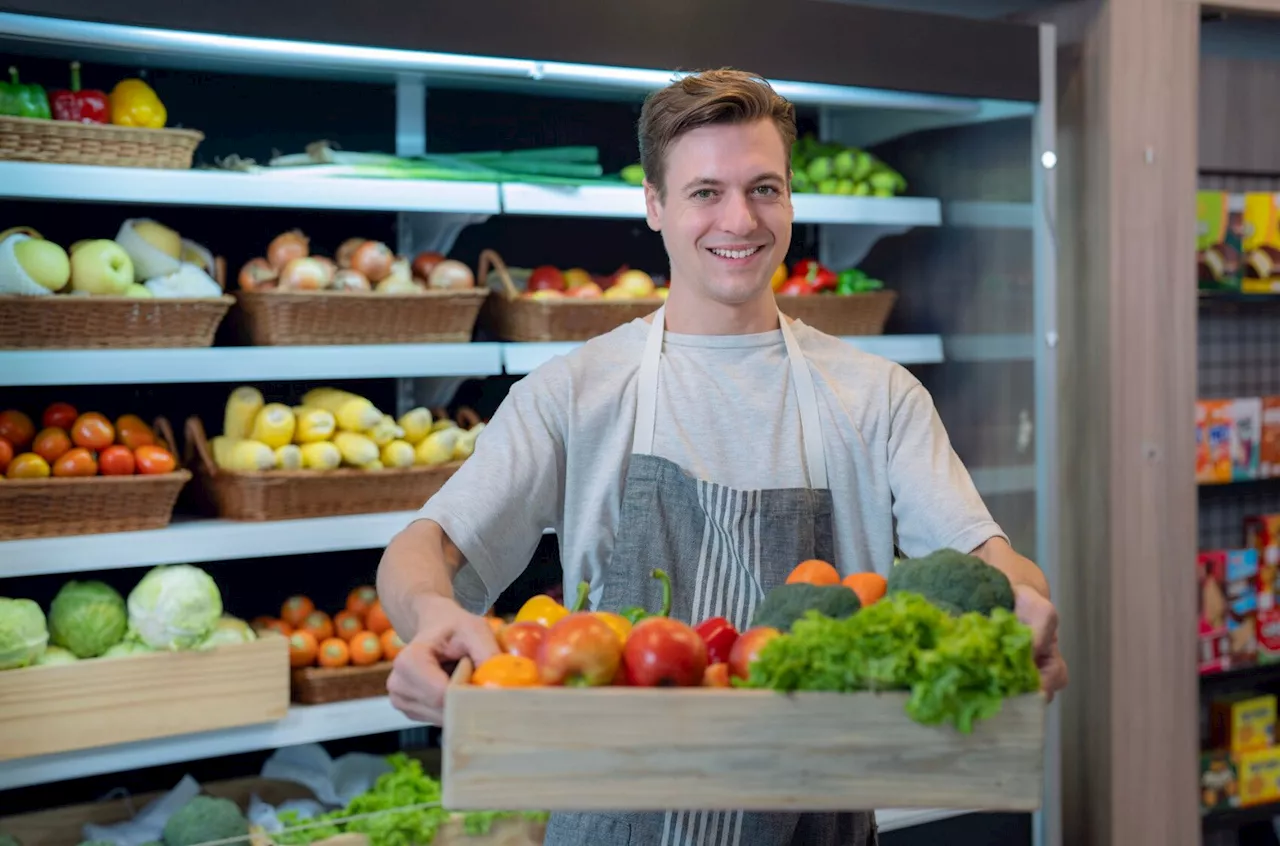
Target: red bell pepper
point(80, 106)
point(818, 277)
point(719, 635)
point(796, 286)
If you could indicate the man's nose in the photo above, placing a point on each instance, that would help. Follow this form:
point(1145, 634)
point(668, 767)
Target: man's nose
point(739, 216)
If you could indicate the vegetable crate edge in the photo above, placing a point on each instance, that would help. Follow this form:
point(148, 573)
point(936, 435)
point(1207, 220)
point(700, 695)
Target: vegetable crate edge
point(649, 749)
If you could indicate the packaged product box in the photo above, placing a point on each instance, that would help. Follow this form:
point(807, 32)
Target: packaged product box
point(1244, 721)
point(1269, 449)
point(1258, 774)
point(1213, 441)
point(1246, 438)
point(1219, 781)
point(1219, 239)
point(1260, 269)
point(1215, 639)
point(1241, 590)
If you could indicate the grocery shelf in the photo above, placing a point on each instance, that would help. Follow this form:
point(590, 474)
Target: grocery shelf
point(246, 364)
point(982, 214)
point(995, 481)
point(302, 724)
point(91, 183)
point(627, 201)
point(524, 358)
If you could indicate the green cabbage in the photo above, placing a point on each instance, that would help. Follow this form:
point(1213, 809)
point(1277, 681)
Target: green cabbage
point(174, 607)
point(127, 647)
point(56, 655)
point(228, 630)
point(87, 618)
point(24, 634)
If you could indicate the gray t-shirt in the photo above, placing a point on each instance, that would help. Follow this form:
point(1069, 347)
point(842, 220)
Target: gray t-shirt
point(555, 453)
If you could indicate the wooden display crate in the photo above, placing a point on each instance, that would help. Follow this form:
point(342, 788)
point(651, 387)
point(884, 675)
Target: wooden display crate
point(648, 749)
point(104, 701)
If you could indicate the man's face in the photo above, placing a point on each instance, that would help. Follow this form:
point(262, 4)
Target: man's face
point(726, 219)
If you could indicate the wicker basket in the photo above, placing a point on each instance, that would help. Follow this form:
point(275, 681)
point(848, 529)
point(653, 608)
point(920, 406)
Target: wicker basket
point(90, 505)
point(64, 322)
point(841, 314)
point(36, 140)
point(283, 318)
point(295, 494)
point(514, 318)
point(319, 685)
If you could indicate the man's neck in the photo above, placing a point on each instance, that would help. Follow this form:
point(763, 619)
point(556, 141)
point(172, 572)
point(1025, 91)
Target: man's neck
point(687, 314)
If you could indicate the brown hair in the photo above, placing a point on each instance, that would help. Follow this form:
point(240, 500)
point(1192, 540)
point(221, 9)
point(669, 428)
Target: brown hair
point(703, 99)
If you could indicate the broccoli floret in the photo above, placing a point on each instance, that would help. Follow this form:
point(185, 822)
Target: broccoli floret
point(954, 581)
point(785, 604)
point(205, 818)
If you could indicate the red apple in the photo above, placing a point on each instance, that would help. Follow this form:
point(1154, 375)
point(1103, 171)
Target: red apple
point(522, 638)
point(545, 278)
point(580, 650)
point(424, 261)
point(747, 647)
point(662, 652)
point(586, 291)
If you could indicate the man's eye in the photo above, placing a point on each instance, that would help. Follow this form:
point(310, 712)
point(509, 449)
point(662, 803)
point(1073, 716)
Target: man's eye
point(767, 190)
point(703, 194)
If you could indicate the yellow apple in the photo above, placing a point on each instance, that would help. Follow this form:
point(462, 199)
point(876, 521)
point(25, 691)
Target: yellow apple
point(44, 261)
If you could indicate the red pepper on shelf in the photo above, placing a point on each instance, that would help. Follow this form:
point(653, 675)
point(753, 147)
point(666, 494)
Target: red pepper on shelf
point(80, 106)
point(819, 278)
point(719, 635)
point(796, 286)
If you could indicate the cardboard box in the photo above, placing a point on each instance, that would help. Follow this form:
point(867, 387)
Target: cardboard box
point(1258, 772)
point(1213, 441)
point(1269, 449)
point(1242, 604)
point(1246, 438)
point(1260, 268)
point(1215, 641)
point(1243, 721)
point(1219, 781)
point(1219, 239)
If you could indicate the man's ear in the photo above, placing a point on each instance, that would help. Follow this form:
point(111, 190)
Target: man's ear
point(652, 206)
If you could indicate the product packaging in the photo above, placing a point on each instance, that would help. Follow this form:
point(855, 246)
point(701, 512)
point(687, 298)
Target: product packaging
point(1219, 228)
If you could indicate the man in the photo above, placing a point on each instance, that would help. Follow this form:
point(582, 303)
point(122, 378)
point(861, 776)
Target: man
point(714, 439)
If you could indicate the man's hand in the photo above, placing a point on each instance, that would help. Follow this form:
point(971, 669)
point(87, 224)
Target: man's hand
point(445, 632)
point(1037, 612)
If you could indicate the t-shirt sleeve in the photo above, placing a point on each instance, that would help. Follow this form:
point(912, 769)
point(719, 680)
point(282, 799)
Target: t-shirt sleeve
point(496, 506)
point(935, 502)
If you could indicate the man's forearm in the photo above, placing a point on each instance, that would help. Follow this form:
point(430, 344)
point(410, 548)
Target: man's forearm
point(416, 569)
point(1021, 570)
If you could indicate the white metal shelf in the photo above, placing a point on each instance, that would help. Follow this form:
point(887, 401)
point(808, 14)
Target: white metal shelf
point(522, 359)
point(22, 368)
point(303, 724)
point(91, 183)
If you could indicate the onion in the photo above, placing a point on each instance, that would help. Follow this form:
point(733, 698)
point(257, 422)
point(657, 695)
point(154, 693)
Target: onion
point(347, 250)
point(256, 275)
point(424, 262)
point(347, 279)
point(452, 274)
point(304, 274)
point(373, 259)
point(330, 268)
point(288, 246)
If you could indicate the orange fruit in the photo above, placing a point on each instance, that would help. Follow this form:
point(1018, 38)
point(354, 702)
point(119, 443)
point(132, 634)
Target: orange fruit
point(262, 625)
point(496, 624)
point(6, 454)
point(334, 653)
point(93, 431)
point(815, 572)
point(76, 461)
point(347, 624)
point(133, 432)
point(28, 465)
point(365, 649)
point(302, 649)
point(361, 598)
point(506, 670)
point(295, 610)
point(17, 428)
point(869, 587)
point(51, 444)
point(716, 675)
point(391, 644)
point(376, 620)
point(117, 460)
point(319, 624)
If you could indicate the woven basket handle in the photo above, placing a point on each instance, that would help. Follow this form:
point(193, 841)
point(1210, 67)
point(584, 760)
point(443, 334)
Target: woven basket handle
point(167, 440)
point(467, 417)
point(489, 257)
point(197, 441)
point(220, 272)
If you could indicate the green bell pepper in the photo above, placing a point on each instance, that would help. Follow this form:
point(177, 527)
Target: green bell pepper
point(854, 281)
point(19, 100)
point(635, 613)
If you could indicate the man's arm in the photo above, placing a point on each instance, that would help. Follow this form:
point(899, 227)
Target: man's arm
point(1021, 570)
point(417, 569)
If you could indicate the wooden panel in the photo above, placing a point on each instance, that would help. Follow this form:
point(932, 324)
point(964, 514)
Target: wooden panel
point(119, 700)
point(1239, 114)
point(617, 748)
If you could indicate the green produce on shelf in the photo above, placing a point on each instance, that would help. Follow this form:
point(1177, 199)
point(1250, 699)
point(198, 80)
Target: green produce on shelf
point(829, 168)
point(18, 99)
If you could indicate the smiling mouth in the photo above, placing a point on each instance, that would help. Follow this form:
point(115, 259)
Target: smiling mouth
point(744, 253)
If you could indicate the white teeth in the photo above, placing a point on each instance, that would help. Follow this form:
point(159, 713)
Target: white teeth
point(736, 254)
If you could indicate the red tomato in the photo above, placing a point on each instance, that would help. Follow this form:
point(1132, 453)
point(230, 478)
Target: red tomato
point(60, 415)
point(579, 651)
point(77, 461)
point(153, 460)
point(17, 429)
point(116, 460)
point(133, 432)
point(545, 278)
point(522, 638)
point(51, 443)
point(662, 652)
point(93, 431)
point(6, 454)
point(747, 647)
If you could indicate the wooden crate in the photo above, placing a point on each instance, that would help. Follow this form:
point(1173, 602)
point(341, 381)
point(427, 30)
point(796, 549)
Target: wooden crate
point(649, 749)
point(318, 685)
point(103, 701)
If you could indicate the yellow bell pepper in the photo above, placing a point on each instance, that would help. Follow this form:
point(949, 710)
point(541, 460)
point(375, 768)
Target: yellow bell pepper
point(620, 624)
point(545, 610)
point(134, 103)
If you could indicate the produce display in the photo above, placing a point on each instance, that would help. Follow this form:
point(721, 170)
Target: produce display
point(941, 627)
point(359, 264)
point(70, 443)
point(145, 259)
point(809, 276)
point(547, 282)
point(132, 102)
point(171, 608)
point(332, 428)
point(357, 635)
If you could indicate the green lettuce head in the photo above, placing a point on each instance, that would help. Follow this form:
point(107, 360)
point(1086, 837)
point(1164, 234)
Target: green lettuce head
point(55, 655)
point(87, 618)
point(174, 607)
point(23, 633)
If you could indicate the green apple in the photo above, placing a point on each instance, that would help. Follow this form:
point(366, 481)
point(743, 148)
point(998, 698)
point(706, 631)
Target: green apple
point(44, 261)
point(101, 267)
point(141, 292)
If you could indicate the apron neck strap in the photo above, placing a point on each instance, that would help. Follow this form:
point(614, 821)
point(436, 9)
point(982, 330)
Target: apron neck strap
point(801, 378)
